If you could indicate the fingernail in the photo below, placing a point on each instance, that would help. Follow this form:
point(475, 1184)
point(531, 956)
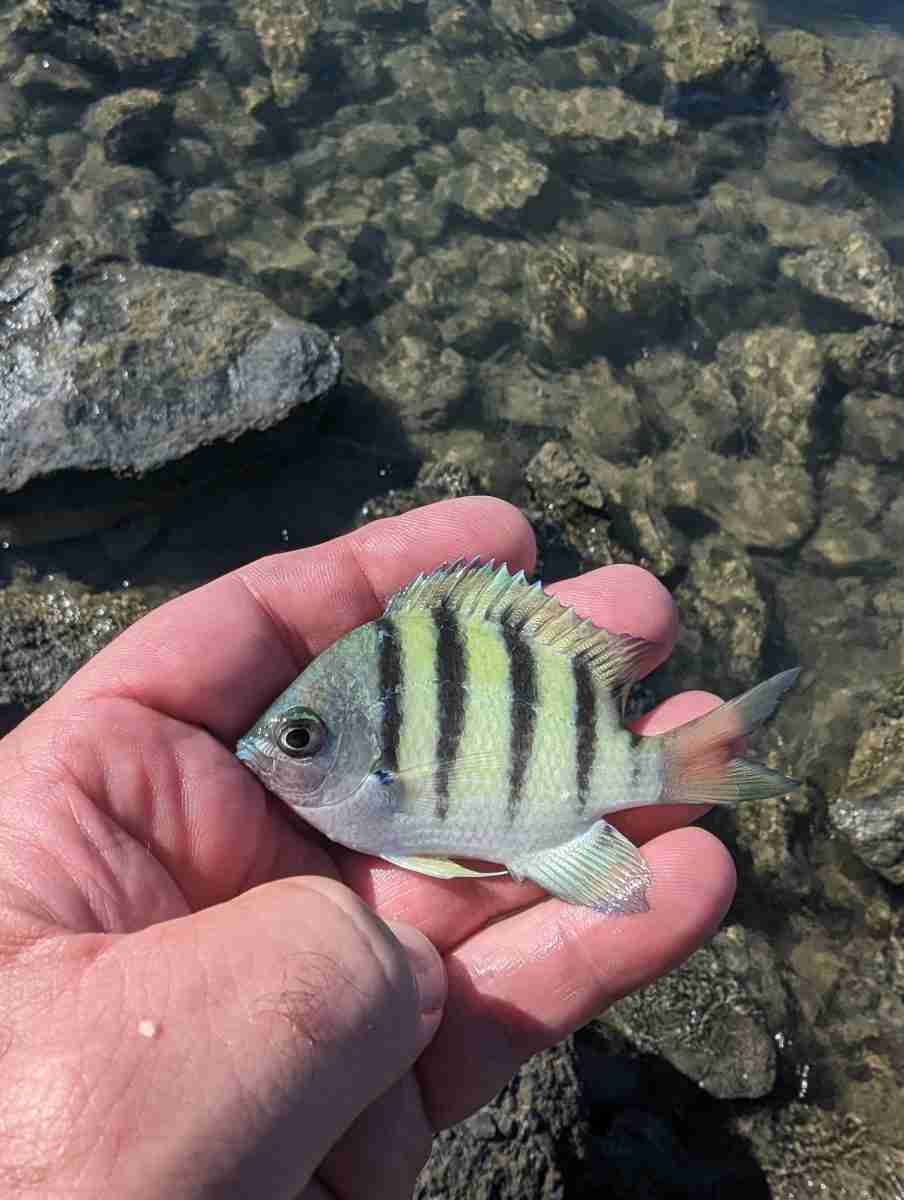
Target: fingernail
point(427, 966)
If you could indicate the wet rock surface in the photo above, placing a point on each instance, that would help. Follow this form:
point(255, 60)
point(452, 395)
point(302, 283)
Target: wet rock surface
point(840, 103)
point(715, 1018)
point(521, 1145)
point(49, 629)
point(123, 367)
point(634, 268)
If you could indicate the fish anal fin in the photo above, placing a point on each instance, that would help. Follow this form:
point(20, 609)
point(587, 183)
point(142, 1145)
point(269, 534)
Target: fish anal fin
point(439, 868)
point(601, 869)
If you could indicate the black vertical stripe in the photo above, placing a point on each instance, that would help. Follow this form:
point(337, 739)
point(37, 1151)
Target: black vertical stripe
point(451, 680)
point(523, 674)
point(585, 695)
point(391, 683)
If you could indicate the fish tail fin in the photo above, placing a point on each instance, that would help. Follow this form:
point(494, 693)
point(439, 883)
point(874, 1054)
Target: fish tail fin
point(701, 760)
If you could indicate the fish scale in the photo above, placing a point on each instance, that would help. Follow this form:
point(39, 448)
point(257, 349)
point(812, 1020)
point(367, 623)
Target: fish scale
point(478, 717)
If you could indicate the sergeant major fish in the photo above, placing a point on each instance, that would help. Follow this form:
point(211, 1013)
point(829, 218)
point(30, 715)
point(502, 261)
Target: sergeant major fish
point(480, 718)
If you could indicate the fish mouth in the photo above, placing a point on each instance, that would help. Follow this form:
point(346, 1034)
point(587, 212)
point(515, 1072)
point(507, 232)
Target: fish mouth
point(256, 759)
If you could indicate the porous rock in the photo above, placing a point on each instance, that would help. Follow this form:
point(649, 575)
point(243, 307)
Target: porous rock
point(111, 365)
point(518, 1147)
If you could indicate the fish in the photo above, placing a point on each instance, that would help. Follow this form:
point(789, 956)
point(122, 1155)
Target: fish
point(481, 719)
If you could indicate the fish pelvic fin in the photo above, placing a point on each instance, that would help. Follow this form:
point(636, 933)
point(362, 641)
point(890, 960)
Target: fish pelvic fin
point(439, 868)
point(601, 869)
point(701, 760)
point(486, 592)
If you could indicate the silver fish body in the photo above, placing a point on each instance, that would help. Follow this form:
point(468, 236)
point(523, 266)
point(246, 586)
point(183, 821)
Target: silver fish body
point(479, 718)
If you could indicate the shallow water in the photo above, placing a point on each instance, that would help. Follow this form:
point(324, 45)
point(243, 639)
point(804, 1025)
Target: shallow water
point(506, 271)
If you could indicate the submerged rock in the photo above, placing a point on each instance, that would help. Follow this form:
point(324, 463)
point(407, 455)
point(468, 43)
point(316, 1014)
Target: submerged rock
point(857, 273)
point(777, 376)
point(580, 304)
point(869, 813)
point(715, 1017)
point(839, 103)
point(873, 426)
point(539, 20)
point(723, 619)
point(872, 357)
point(764, 505)
point(806, 1151)
point(855, 497)
point(499, 180)
point(121, 367)
point(711, 44)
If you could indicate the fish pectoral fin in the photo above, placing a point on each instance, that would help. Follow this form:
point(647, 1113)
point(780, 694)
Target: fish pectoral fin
point(441, 868)
point(601, 869)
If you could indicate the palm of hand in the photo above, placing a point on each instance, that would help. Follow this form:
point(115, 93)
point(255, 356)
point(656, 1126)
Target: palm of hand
point(140, 814)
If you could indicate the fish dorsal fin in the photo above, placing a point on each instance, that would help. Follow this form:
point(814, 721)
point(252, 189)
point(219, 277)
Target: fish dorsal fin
point(491, 593)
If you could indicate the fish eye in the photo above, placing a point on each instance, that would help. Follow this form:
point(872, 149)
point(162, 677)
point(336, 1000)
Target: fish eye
point(301, 735)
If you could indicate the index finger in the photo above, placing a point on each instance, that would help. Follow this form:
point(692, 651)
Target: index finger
point(218, 655)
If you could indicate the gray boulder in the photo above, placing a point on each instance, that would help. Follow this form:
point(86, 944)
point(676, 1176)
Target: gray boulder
point(111, 365)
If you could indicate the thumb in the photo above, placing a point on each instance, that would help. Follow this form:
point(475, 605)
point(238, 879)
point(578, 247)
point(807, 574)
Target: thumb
point(264, 1027)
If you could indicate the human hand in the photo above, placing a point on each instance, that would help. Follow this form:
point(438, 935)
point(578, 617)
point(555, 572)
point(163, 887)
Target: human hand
point(193, 1003)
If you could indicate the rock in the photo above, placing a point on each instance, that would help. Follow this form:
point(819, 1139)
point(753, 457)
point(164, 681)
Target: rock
point(608, 513)
point(855, 496)
point(23, 192)
point(445, 98)
point(580, 303)
point(839, 103)
point(285, 30)
point(595, 60)
point(210, 212)
point(608, 420)
point(458, 26)
point(873, 426)
point(685, 399)
point(764, 505)
point(471, 286)
point(48, 630)
point(874, 827)
point(523, 393)
point(789, 226)
point(777, 377)
point(714, 1017)
point(805, 1151)
point(803, 171)
point(132, 125)
point(207, 111)
point(499, 181)
point(857, 273)
point(42, 78)
point(869, 813)
point(637, 521)
point(123, 367)
point(117, 205)
point(134, 37)
point(420, 383)
point(191, 161)
point(539, 20)
point(518, 1147)
point(872, 357)
point(566, 498)
point(605, 117)
point(713, 45)
point(723, 620)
